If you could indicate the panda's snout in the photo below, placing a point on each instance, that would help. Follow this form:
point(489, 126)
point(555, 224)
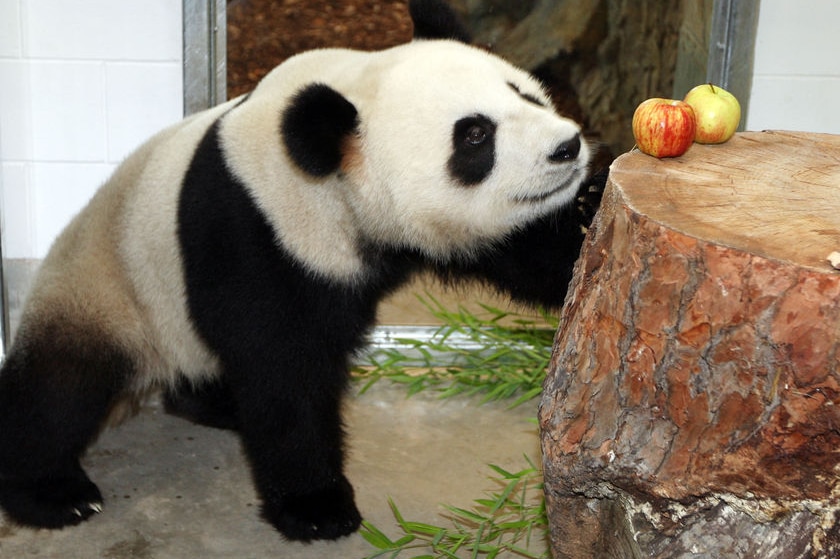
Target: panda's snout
point(566, 151)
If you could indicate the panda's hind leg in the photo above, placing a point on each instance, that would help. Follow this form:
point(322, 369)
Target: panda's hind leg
point(63, 498)
point(56, 391)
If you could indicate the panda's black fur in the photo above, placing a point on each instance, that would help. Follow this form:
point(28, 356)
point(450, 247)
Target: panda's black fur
point(315, 327)
point(276, 332)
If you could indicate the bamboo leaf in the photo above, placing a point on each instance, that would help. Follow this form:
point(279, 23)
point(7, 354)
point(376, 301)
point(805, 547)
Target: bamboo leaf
point(465, 514)
point(405, 540)
point(375, 537)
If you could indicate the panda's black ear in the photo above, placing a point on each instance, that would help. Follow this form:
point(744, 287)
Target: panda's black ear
point(314, 126)
point(435, 19)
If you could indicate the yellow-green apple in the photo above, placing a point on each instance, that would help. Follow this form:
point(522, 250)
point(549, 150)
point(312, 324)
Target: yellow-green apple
point(716, 111)
point(663, 127)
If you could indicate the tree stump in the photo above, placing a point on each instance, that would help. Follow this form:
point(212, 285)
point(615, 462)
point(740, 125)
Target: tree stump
point(692, 406)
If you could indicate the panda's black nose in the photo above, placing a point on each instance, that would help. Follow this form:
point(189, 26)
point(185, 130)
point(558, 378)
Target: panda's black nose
point(567, 151)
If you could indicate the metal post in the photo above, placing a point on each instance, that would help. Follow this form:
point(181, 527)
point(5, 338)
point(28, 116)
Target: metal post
point(205, 54)
point(731, 48)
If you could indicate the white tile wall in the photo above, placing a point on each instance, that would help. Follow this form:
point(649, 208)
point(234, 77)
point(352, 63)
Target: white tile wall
point(15, 116)
point(796, 79)
point(17, 208)
point(67, 107)
point(795, 103)
point(56, 193)
point(81, 85)
point(139, 102)
point(103, 29)
point(10, 43)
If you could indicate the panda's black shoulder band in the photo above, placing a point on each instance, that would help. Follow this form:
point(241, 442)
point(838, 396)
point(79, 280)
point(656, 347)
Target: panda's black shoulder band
point(314, 126)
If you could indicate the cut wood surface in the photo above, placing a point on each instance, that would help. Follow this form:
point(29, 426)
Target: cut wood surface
point(692, 407)
point(773, 194)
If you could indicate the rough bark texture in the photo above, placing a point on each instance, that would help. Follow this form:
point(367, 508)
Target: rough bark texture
point(692, 404)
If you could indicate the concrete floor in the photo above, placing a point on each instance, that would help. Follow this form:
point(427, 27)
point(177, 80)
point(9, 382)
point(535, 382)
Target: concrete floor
point(176, 490)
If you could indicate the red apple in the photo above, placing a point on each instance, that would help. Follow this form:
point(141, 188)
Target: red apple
point(716, 111)
point(663, 127)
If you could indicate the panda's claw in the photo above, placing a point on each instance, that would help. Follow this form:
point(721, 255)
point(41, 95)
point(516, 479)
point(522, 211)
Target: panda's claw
point(53, 502)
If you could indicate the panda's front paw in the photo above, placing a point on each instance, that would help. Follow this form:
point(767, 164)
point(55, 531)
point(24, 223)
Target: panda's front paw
point(325, 514)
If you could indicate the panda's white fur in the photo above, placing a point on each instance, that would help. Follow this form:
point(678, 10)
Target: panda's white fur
point(121, 303)
point(396, 188)
point(148, 249)
point(393, 187)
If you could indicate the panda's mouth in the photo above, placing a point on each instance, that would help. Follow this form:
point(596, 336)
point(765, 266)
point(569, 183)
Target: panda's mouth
point(572, 180)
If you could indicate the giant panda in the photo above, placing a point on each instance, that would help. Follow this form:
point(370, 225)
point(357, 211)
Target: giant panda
point(236, 260)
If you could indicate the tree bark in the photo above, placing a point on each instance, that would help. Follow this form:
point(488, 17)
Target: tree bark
point(692, 406)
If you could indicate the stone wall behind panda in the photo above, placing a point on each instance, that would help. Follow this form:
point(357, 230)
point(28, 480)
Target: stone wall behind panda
point(263, 33)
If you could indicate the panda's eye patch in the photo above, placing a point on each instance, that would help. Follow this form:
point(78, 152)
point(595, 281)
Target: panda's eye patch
point(476, 135)
point(473, 149)
point(472, 131)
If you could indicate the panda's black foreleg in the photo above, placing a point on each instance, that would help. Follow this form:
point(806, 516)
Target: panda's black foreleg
point(290, 423)
point(534, 265)
point(54, 398)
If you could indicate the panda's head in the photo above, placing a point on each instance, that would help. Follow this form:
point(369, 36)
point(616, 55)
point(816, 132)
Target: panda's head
point(437, 146)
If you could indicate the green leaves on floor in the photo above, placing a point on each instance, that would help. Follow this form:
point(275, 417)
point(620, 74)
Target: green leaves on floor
point(507, 521)
point(506, 359)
